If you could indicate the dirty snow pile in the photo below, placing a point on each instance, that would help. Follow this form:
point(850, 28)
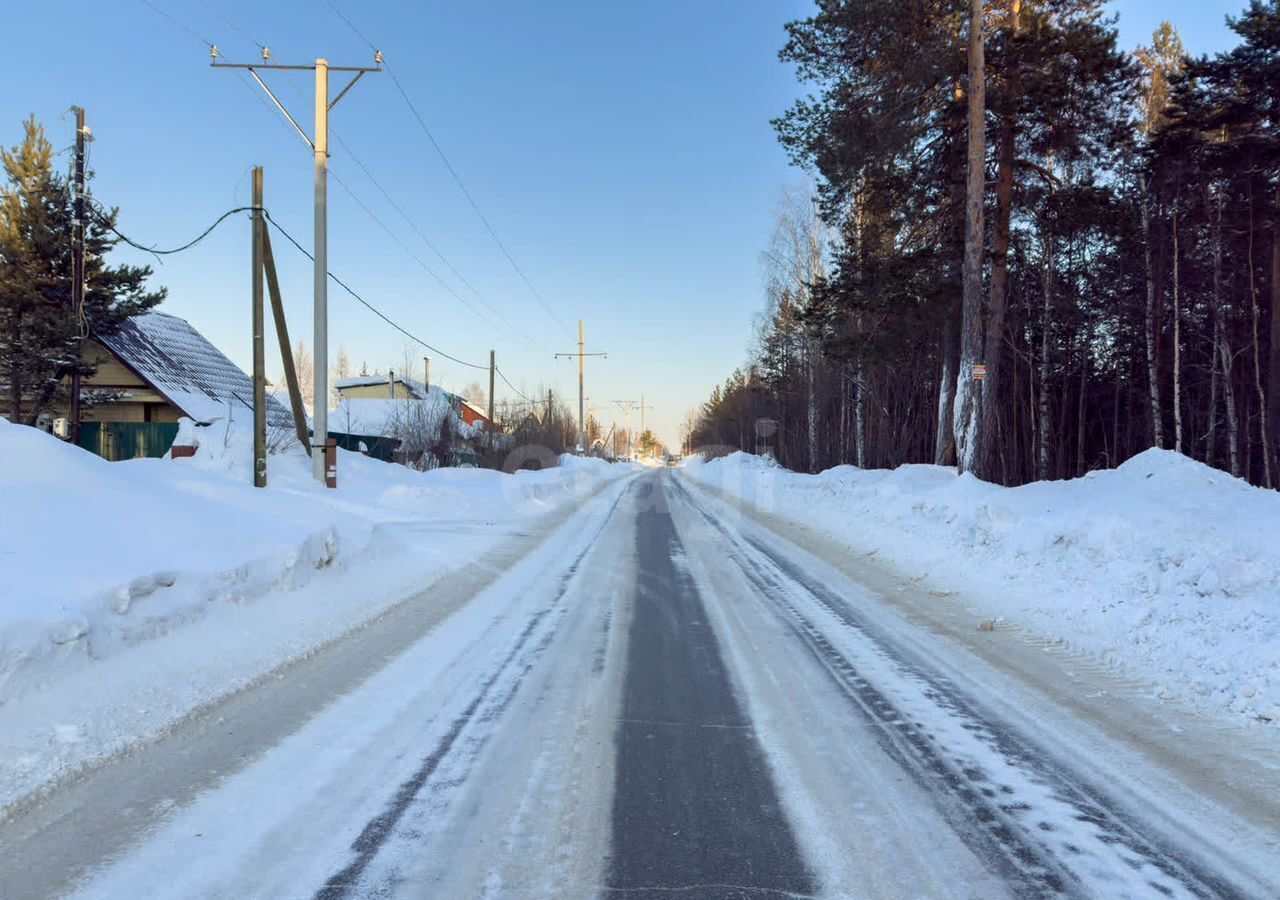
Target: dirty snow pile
point(132, 592)
point(1164, 568)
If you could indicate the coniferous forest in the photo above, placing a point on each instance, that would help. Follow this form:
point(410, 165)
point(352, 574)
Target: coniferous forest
point(1026, 251)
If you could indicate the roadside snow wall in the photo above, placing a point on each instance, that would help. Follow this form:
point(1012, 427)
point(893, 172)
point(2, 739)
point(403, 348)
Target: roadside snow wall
point(1164, 568)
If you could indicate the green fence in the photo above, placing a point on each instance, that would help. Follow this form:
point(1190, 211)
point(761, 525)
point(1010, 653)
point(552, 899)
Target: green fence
point(376, 447)
point(128, 440)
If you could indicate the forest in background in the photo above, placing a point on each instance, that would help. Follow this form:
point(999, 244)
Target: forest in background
point(1026, 252)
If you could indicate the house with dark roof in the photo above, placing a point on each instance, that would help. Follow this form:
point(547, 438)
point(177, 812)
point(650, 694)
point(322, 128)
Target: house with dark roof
point(155, 370)
point(158, 368)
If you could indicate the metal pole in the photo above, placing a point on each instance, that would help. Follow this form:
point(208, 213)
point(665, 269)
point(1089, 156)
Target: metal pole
point(320, 403)
point(77, 275)
point(259, 351)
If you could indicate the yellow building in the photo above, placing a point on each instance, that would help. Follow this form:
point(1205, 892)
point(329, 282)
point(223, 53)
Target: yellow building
point(379, 387)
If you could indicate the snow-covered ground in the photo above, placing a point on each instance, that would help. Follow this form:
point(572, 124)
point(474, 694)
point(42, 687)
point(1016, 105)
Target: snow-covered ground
point(133, 593)
point(1164, 568)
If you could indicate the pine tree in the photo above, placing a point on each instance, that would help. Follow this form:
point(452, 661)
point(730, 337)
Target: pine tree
point(40, 337)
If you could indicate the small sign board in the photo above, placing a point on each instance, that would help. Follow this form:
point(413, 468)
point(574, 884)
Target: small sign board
point(979, 371)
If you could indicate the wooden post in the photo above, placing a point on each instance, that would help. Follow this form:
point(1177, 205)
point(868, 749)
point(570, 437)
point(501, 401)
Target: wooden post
point(286, 351)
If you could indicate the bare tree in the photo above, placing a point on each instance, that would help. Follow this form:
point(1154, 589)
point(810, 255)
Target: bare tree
point(302, 364)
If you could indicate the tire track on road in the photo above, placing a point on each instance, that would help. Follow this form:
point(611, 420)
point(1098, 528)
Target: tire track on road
point(1018, 827)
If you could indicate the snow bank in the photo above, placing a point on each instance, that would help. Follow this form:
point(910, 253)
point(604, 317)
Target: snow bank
point(99, 560)
point(1164, 568)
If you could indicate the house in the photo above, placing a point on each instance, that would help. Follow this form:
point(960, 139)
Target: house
point(424, 429)
point(376, 387)
point(156, 369)
point(396, 387)
point(472, 414)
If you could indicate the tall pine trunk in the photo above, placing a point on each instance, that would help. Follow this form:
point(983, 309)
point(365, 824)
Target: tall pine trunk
point(1177, 341)
point(1273, 372)
point(1263, 431)
point(1229, 395)
point(968, 422)
point(944, 448)
point(993, 348)
point(1152, 332)
point(1042, 413)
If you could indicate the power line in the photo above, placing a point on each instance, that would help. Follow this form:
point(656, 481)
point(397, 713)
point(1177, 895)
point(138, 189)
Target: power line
point(401, 329)
point(513, 387)
point(351, 25)
point(454, 174)
point(105, 220)
point(444, 284)
point(234, 27)
point(373, 309)
point(432, 247)
point(175, 22)
point(475, 206)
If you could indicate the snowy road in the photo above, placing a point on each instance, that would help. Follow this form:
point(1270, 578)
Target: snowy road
point(665, 698)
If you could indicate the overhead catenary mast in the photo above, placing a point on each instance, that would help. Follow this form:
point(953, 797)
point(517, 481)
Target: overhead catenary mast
point(320, 147)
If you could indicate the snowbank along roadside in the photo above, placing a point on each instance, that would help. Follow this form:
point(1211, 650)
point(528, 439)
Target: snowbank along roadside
point(131, 593)
point(1164, 568)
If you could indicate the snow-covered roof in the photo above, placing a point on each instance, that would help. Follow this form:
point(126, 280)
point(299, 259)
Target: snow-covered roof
point(414, 387)
point(388, 417)
point(190, 372)
point(482, 413)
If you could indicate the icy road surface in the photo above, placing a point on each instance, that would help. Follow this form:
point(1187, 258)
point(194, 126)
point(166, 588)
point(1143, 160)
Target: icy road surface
point(663, 698)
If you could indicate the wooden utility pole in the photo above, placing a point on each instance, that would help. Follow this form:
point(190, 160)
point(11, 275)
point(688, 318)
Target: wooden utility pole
point(493, 368)
point(77, 269)
point(259, 350)
point(286, 349)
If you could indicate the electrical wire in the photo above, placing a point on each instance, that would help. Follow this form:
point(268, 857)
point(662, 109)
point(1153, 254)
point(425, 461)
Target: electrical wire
point(351, 25)
point(444, 284)
point(453, 173)
point(276, 225)
point(105, 220)
point(475, 206)
point(234, 27)
point(373, 309)
point(175, 22)
point(508, 383)
point(418, 231)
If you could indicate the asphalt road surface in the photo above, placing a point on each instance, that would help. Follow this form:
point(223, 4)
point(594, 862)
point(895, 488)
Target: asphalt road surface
point(665, 696)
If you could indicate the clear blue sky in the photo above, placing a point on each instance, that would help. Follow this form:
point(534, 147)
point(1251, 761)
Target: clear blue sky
point(622, 151)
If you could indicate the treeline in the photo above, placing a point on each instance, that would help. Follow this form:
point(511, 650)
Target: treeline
point(1027, 253)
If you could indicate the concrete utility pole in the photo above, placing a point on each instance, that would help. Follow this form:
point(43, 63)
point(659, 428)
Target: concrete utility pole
point(77, 267)
point(582, 355)
point(642, 409)
point(320, 148)
point(627, 405)
point(259, 350)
